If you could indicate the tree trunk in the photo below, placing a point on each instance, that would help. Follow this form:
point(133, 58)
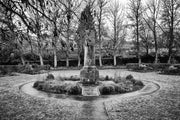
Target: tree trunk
point(100, 35)
point(22, 60)
point(139, 59)
point(115, 62)
point(41, 59)
point(55, 58)
point(171, 32)
point(156, 53)
point(138, 45)
point(79, 60)
point(156, 44)
point(156, 58)
point(170, 56)
point(67, 59)
point(100, 53)
point(100, 59)
point(170, 46)
point(147, 51)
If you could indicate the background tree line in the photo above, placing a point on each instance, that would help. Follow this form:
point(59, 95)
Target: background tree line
point(37, 26)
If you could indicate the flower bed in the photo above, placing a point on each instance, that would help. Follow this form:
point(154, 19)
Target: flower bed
point(58, 87)
point(121, 85)
point(65, 85)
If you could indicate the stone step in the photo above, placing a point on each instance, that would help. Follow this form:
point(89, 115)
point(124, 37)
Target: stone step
point(90, 91)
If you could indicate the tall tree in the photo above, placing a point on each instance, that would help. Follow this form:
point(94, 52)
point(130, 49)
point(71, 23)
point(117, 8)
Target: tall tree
point(100, 14)
point(31, 13)
point(170, 19)
point(11, 35)
point(56, 25)
point(79, 43)
point(152, 14)
point(37, 22)
point(115, 16)
point(135, 15)
point(146, 37)
point(70, 8)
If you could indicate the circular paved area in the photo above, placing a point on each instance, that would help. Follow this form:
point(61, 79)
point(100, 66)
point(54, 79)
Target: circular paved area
point(161, 104)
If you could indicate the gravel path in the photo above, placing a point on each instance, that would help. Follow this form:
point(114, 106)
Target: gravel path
point(162, 104)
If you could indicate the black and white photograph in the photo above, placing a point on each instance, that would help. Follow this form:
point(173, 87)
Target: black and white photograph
point(89, 59)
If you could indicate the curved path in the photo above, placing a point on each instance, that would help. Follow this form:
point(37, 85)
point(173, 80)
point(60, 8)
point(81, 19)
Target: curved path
point(152, 102)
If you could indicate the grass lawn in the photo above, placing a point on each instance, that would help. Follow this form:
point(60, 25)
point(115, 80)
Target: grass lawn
point(14, 104)
point(163, 104)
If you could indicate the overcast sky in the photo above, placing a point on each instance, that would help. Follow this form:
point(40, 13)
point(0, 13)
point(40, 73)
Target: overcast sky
point(124, 4)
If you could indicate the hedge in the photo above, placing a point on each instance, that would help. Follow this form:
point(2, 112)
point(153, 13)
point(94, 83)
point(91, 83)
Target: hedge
point(29, 69)
point(158, 66)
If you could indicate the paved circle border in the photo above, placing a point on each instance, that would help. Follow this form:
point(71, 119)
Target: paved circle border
point(149, 88)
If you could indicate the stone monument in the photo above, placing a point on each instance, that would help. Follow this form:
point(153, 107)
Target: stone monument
point(89, 73)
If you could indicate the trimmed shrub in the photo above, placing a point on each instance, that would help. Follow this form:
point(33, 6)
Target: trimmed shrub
point(121, 85)
point(129, 77)
point(132, 80)
point(171, 72)
point(107, 77)
point(132, 65)
point(59, 88)
point(38, 85)
point(74, 90)
point(159, 66)
point(74, 78)
point(35, 66)
point(50, 77)
point(28, 68)
point(71, 78)
point(119, 89)
point(115, 89)
point(3, 71)
point(107, 89)
point(149, 66)
point(138, 83)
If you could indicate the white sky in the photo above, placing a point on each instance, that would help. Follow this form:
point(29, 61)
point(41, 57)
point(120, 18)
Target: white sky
point(124, 4)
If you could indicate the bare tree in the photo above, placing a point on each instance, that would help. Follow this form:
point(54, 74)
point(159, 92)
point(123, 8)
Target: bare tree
point(135, 16)
point(37, 23)
point(56, 14)
point(146, 37)
point(170, 19)
point(31, 15)
point(11, 35)
point(100, 14)
point(70, 8)
point(152, 14)
point(115, 16)
point(20, 8)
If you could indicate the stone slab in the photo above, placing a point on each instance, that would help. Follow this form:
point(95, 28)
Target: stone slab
point(90, 91)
